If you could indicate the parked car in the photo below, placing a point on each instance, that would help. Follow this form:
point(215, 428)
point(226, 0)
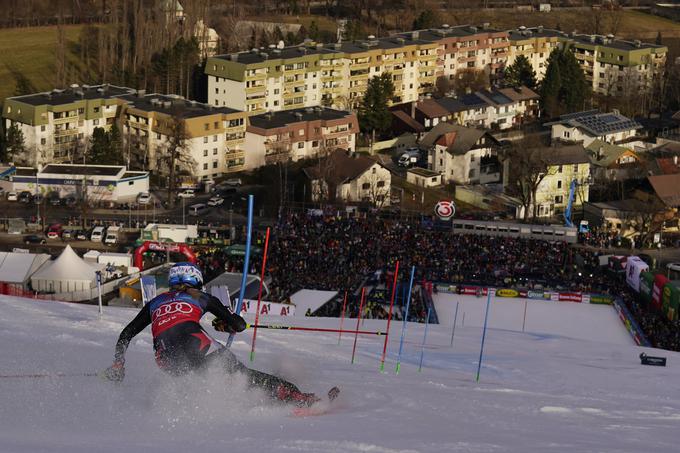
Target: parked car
point(53, 198)
point(215, 201)
point(188, 193)
point(226, 192)
point(236, 182)
point(67, 234)
point(34, 239)
point(144, 198)
point(54, 231)
point(81, 235)
point(12, 196)
point(97, 234)
point(25, 197)
point(38, 198)
point(70, 201)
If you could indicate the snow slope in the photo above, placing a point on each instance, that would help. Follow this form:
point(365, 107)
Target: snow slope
point(539, 391)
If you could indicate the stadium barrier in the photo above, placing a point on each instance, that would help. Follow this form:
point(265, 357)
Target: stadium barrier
point(632, 326)
point(557, 296)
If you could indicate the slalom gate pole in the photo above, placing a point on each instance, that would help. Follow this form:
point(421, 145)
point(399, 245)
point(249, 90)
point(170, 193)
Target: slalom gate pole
point(356, 335)
point(422, 347)
point(244, 278)
point(389, 316)
point(455, 318)
point(486, 317)
point(403, 326)
point(318, 329)
point(259, 295)
point(524, 321)
point(342, 316)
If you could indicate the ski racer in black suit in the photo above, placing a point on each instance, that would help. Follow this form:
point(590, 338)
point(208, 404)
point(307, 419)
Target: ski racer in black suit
point(180, 343)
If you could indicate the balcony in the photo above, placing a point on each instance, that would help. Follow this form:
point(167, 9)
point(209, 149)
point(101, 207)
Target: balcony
point(65, 119)
point(255, 89)
point(66, 132)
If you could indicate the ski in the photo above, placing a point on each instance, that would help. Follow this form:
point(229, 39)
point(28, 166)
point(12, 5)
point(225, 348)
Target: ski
point(320, 407)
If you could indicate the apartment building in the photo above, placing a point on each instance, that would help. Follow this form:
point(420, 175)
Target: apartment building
point(57, 124)
point(315, 74)
point(612, 66)
point(535, 44)
point(466, 47)
point(293, 135)
point(214, 137)
point(617, 67)
point(565, 164)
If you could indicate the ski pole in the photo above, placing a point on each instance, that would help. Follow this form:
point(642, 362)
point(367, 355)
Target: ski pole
point(455, 318)
point(342, 316)
point(46, 375)
point(244, 277)
point(316, 329)
point(259, 295)
point(403, 326)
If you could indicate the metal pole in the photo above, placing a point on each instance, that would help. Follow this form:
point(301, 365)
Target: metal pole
point(486, 317)
point(524, 321)
point(244, 277)
point(403, 326)
point(99, 291)
point(455, 318)
point(422, 347)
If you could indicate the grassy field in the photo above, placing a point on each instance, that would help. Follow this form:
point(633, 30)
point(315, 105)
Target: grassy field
point(30, 52)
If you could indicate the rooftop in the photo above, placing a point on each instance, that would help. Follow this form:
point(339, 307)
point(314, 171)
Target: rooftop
point(612, 42)
point(272, 120)
point(91, 170)
point(74, 94)
point(596, 124)
point(523, 33)
point(345, 168)
point(173, 105)
point(565, 155)
point(424, 172)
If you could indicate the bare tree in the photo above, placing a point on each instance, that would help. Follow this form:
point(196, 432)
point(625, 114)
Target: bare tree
point(526, 165)
point(177, 154)
point(469, 80)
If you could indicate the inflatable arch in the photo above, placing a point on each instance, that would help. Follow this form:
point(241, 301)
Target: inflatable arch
point(162, 247)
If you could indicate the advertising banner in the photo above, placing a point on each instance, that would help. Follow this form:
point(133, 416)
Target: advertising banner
point(504, 292)
point(267, 308)
point(646, 283)
point(600, 299)
point(657, 290)
point(569, 297)
point(634, 267)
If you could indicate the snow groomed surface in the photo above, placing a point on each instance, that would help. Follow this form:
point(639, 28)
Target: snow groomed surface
point(571, 382)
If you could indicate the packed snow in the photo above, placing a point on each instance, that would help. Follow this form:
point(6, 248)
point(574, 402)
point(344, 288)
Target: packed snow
point(571, 382)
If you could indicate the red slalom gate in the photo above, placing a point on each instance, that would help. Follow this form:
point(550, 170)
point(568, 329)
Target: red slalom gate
point(318, 329)
point(389, 316)
point(259, 295)
point(356, 335)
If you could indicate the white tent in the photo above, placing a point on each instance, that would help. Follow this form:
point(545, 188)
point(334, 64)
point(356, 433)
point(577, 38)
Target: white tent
point(17, 268)
point(310, 299)
point(68, 273)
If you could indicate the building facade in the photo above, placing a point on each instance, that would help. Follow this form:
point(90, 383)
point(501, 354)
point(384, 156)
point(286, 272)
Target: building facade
point(298, 134)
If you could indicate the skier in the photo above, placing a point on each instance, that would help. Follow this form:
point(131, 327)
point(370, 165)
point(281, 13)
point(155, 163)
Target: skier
point(180, 343)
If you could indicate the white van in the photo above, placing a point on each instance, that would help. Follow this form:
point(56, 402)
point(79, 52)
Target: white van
point(112, 235)
point(97, 234)
point(198, 209)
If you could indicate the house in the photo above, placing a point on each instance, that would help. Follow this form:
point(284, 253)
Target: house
point(625, 218)
point(612, 162)
point(562, 165)
point(292, 135)
point(461, 154)
point(489, 198)
point(340, 177)
point(591, 125)
point(422, 177)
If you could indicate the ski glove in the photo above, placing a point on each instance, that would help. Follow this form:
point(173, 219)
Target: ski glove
point(116, 372)
point(221, 325)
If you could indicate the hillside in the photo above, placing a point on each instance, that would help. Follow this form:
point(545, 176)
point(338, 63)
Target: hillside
point(538, 391)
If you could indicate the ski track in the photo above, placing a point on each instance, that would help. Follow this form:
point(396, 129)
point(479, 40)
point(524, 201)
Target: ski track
point(538, 391)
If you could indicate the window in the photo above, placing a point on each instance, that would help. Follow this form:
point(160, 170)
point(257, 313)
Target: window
point(42, 128)
point(301, 145)
point(158, 136)
point(214, 151)
point(558, 199)
point(366, 186)
point(205, 166)
point(81, 111)
point(373, 170)
point(559, 184)
point(206, 126)
point(575, 168)
point(216, 125)
point(301, 132)
point(381, 184)
point(214, 138)
point(96, 110)
point(205, 153)
point(315, 144)
point(559, 169)
point(43, 141)
point(95, 122)
point(215, 164)
point(205, 139)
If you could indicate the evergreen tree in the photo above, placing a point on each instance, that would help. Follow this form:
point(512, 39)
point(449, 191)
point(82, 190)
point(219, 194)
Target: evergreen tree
point(564, 87)
point(264, 38)
point(277, 35)
point(520, 73)
point(14, 148)
point(99, 147)
point(302, 34)
point(252, 43)
point(659, 39)
point(314, 31)
point(374, 115)
point(426, 19)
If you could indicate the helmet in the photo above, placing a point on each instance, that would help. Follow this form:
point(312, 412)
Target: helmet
point(185, 274)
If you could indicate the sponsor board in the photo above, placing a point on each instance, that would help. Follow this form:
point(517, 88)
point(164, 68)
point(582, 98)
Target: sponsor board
point(267, 308)
point(600, 299)
point(445, 209)
point(569, 297)
point(505, 292)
